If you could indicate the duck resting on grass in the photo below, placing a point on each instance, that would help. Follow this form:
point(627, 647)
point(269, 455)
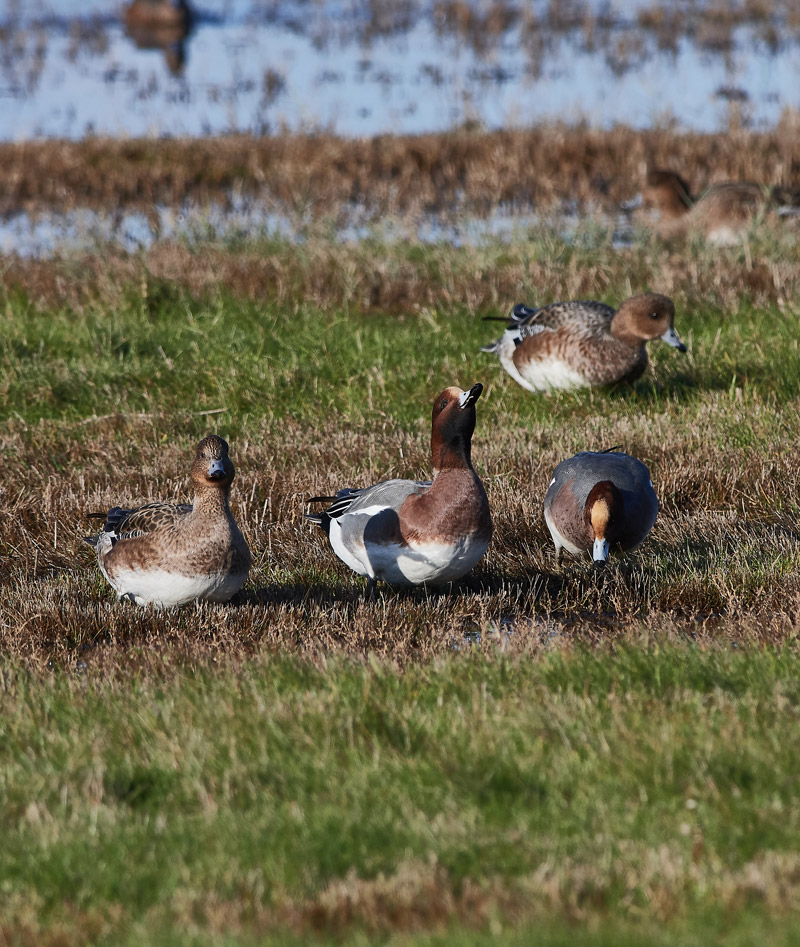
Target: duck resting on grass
point(583, 343)
point(722, 213)
point(410, 532)
point(170, 554)
point(598, 501)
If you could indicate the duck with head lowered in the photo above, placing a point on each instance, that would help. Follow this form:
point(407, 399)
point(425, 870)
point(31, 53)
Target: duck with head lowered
point(584, 343)
point(598, 501)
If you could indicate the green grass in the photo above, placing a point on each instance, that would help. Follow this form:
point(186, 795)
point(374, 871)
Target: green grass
point(159, 349)
point(651, 780)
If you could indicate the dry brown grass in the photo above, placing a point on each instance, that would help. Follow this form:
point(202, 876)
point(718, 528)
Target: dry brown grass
point(318, 175)
point(721, 564)
point(330, 275)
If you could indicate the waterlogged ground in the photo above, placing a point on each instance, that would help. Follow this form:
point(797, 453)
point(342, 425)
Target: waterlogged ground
point(68, 68)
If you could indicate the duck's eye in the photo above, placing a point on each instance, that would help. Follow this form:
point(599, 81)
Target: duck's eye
point(655, 315)
point(443, 404)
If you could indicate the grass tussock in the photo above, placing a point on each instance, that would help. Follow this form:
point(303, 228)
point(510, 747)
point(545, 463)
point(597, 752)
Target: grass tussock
point(539, 266)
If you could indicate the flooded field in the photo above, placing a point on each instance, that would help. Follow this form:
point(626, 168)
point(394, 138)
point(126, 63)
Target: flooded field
point(415, 118)
point(68, 69)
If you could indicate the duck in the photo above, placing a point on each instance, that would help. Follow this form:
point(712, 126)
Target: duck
point(168, 554)
point(161, 24)
point(598, 501)
point(158, 15)
point(413, 532)
point(723, 213)
point(583, 343)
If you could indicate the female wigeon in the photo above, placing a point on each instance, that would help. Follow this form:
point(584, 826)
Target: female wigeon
point(723, 213)
point(168, 554)
point(598, 501)
point(409, 532)
point(579, 344)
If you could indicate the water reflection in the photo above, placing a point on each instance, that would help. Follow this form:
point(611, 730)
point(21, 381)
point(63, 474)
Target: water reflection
point(160, 24)
point(366, 67)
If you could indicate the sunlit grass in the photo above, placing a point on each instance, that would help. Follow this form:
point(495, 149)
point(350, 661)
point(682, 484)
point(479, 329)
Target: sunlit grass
point(539, 754)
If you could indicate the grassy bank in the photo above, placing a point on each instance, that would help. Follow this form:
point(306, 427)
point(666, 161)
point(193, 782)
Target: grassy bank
point(538, 752)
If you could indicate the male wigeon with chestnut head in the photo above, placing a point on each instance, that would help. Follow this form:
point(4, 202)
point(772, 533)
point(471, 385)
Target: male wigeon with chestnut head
point(584, 343)
point(170, 554)
point(599, 501)
point(409, 532)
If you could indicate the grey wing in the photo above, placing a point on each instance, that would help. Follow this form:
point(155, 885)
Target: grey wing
point(587, 468)
point(372, 514)
point(367, 500)
point(389, 493)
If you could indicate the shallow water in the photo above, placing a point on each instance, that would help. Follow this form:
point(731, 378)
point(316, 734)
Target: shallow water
point(67, 68)
point(46, 234)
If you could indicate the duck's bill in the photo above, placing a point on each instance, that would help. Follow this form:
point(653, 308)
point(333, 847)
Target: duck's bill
point(600, 552)
point(216, 470)
point(471, 396)
point(672, 338)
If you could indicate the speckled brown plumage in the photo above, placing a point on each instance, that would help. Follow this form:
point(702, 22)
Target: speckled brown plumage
point(722, 213)
point(169, 554)
point(570, 344)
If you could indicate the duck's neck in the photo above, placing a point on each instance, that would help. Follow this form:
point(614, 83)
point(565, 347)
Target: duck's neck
point(211, 500)
point(621, 331)
point(451, 455)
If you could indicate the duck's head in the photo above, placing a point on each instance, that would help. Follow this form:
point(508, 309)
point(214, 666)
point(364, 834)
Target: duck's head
point(212, 467)
point(453, 425)
point(645, 317)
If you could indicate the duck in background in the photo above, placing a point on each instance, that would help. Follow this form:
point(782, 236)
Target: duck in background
point(723, 213)
point(584, 343)
point(598, 501)
point(161, 24)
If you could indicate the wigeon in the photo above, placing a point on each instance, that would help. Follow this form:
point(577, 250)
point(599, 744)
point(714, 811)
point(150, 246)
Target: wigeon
point(579, 344)
point(168, 554)
point(723, 213)
point(161, 24)
point(409, 532)
point(158, 14)
point(598, 501)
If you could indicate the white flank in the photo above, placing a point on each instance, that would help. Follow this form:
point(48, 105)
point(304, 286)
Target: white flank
point(432, 563)
point(552, 373)
point(724, 235)
point(157, 587)
point(353, 556)
point(538, 376)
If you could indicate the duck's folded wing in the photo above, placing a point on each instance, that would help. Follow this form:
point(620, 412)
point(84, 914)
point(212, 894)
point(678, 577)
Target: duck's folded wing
point(143, 519)
point(390, 494)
